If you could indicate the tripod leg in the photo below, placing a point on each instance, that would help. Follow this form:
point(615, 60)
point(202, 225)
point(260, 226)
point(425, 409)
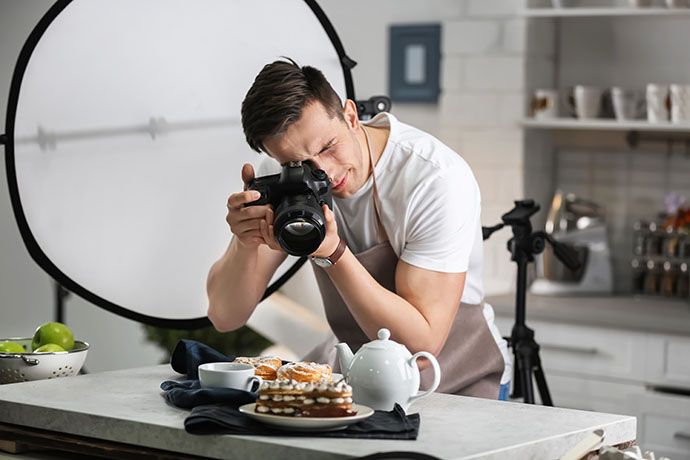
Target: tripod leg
point(526, 374)
point(517, 380)
point(541, 384)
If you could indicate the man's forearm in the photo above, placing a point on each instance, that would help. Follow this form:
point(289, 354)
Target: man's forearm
point(235, 286)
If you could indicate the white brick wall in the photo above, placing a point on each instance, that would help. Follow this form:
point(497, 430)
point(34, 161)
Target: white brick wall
point(481, 105)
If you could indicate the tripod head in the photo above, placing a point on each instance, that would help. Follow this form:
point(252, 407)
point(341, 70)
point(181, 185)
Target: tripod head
point(524, 244)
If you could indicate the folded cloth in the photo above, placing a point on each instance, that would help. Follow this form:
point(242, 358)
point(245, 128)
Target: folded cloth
point(218, 419)
point(188, 354)
point(188, 394)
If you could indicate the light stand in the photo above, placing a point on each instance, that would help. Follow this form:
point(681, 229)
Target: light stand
point(523, 246)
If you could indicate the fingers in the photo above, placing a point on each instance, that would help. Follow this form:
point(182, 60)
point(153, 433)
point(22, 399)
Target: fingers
point(331, 226)
point(238, 200)
point(247, 174)
point(267, 232)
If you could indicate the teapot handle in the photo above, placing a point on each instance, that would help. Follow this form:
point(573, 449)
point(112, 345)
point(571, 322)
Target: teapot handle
point(437, 373)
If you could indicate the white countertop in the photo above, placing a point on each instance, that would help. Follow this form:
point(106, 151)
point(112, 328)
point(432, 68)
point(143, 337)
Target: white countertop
point(647, 314)
point(126, 406)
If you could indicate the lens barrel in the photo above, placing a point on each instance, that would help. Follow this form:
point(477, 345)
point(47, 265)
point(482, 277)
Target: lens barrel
point(300, 225)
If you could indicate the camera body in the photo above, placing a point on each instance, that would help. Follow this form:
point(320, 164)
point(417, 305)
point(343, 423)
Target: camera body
point(296, 194)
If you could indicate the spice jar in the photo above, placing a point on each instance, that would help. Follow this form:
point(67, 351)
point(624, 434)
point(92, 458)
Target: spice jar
point(683, 251)
point(667, 285)
point(669, 242)
point(653, 241)
point(651, 279)
point(683, 284)
point(640, 232)
point(639, 271)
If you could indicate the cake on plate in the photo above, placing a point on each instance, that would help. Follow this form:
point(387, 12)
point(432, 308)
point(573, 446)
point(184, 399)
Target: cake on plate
point(305, 399)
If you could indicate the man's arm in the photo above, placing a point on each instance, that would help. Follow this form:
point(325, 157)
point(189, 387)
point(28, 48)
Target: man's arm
point(239, 278)
point(237, 281)
point(419, 316)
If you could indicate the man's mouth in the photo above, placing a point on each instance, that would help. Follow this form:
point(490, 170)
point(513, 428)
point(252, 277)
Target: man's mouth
point(340, 183)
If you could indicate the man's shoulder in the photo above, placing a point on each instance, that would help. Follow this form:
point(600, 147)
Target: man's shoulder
point(423, 151)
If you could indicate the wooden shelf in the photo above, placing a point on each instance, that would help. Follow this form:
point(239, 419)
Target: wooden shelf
point(604, 125)
point(592, 12)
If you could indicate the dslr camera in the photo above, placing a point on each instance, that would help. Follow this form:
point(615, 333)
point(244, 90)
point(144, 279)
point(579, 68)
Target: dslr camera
point(297, 194)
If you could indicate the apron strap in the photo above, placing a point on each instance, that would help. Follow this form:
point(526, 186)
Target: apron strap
point(381, 234)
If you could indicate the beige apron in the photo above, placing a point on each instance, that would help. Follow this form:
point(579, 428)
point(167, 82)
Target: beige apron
point(471, 363)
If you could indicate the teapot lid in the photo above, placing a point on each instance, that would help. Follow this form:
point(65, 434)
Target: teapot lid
point(383, 342)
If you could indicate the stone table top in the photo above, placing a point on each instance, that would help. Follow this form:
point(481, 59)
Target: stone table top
point(127, 406)
point(646, 314)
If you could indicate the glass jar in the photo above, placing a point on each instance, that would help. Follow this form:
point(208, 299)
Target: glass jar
point(640, 232)
point(653, 241)
point(669, 242)
point(669, 278)
point(683, 284)
point(639, 271)
point(652, 278)
point(683, 244)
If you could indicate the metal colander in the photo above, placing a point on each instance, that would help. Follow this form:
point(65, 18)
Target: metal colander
point(22, 367)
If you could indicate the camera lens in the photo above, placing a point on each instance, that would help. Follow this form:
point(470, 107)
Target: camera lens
point(300, 225)
point(299, 228)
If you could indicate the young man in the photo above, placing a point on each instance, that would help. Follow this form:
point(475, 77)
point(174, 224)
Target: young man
point(403, 245)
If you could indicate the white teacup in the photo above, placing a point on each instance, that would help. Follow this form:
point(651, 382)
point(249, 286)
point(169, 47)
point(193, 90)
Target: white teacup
point(229, 375)
point(680, 103)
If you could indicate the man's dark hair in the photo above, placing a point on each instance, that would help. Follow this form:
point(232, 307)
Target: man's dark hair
point(278, 96)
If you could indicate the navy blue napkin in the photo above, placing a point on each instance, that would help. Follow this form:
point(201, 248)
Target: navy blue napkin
point(188, 354)
point(219, 419)
point(185, 359)
point(188, 394)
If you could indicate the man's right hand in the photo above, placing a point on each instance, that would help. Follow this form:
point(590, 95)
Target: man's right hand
point(251, 225)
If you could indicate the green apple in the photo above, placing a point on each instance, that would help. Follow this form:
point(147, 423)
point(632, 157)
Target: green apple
point(11, 347)
point(49, 348)
point(56, 333)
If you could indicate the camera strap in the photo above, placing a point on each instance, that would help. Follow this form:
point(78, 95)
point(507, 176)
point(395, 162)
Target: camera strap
point(381, 234)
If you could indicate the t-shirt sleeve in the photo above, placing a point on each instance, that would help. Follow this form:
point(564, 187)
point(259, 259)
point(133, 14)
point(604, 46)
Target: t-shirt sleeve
point(443, 219)
point(266, 166)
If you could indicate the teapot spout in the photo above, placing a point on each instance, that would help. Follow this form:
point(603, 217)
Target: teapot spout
point(345, 357)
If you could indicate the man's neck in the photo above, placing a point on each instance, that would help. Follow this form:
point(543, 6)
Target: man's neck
point(378, 138)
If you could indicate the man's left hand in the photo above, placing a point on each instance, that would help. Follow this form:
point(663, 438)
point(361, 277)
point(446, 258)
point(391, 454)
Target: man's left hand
point(330, 242)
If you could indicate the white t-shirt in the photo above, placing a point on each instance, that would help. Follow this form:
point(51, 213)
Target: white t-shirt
point(429, 205)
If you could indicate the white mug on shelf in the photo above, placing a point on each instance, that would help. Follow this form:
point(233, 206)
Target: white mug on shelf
point(680, 103)
point(585, 101)
point(545, 104)
point(657, 103)
point(627, 104)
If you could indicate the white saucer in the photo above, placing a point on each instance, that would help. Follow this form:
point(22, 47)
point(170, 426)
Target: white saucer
point(308, 423)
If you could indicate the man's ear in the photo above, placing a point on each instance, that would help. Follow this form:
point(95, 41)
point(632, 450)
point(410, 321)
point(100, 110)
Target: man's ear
point(350, 114)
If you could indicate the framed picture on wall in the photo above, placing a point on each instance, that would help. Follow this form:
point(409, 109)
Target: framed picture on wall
point(414, 63)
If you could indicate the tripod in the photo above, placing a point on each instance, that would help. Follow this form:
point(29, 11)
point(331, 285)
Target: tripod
point(523, 246)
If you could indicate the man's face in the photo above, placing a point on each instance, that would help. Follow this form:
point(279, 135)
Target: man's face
point(328, 143)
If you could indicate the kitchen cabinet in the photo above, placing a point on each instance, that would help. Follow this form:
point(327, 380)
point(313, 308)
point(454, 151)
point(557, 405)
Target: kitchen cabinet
point(644, 373)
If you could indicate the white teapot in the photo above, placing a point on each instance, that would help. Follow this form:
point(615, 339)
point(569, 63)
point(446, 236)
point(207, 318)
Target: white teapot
point(384, 372)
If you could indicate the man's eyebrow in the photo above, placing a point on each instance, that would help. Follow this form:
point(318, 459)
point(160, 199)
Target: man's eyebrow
point(328, 144)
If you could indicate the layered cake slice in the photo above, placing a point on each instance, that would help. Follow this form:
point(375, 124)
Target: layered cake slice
point(305, 399)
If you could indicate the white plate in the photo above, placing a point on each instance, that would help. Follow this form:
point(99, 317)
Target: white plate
point(308, 423)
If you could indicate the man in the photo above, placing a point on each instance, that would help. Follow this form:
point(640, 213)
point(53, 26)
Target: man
point(403, 245)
